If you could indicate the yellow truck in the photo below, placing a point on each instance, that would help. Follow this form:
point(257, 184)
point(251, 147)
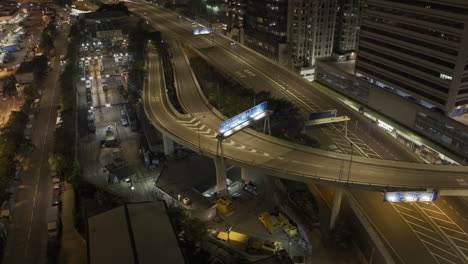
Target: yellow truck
point(225, 206)
point(271, 221)
point(234, 239)
point(250, 245)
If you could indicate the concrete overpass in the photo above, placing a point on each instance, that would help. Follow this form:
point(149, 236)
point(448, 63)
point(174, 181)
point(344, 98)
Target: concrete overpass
point(252, 150)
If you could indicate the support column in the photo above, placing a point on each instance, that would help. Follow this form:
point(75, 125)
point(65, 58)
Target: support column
point(336, 206)
point(168, 145)
point(221, 184)
point(245, 175)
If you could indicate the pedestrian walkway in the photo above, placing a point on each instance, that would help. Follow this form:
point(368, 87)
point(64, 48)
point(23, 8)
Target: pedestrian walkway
point(73, 250)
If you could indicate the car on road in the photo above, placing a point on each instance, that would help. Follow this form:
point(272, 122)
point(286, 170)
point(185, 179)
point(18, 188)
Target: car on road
point(232, 43)
point(91, 127)
point(55, 180)
point(124, 121)
point(56, 199)
point(88, 84)
point(57, 188)
point(105, 88)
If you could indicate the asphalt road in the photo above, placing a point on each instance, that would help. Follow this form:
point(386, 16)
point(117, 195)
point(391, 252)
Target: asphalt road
point(371, 200)
point(285, 159)
point(27, 239)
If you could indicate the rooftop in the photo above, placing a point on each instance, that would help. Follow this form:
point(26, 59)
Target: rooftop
point(133, 233)
point(26, 67)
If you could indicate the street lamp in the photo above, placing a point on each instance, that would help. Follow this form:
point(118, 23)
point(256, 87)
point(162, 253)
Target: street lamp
point(350, 163)
point(228, 232)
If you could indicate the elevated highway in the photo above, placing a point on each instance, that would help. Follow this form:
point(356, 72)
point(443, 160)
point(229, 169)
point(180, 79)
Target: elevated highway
point(272, 156)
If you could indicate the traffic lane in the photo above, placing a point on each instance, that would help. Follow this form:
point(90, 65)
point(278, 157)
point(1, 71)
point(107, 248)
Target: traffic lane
point(191, 99)
point(374, 143)
point(257, 83)
point(194, 104)
point(38, 242)
point(370, 134)
point(29, 227)
point(404, 244)
point(456, 226)
point(405, 165)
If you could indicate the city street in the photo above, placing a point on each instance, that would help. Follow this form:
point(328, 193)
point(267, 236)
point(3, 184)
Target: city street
point(27, 240)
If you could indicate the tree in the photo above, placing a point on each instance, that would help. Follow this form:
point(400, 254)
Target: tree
point(9, 87)
point(56, 162)
point(195, 230)
point(40, 67)
point(30, 92)
point(47, 38)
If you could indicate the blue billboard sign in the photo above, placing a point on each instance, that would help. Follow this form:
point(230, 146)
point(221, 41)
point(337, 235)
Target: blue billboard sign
point(321, 115)
point(241, 119)
point(410, 196)
point(201, 31)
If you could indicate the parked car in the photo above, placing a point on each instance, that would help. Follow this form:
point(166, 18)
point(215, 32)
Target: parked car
point(55, 180)
point(91, 127)
point(56, 199)
point(57, 188)
point(251, 188)
point(124, 121)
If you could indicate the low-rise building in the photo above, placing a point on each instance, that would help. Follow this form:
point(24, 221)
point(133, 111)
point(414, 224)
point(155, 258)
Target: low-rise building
point(25, 73)
point(133, 233)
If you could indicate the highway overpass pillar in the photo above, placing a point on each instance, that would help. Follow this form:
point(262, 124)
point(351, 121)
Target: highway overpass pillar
point(221, 184)
point(336, 206)
point(245, 175)
point(168, 145)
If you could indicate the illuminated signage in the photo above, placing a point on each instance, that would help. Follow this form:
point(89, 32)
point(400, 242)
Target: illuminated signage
point(201, 31)
point(394, 197)
point(243, 119)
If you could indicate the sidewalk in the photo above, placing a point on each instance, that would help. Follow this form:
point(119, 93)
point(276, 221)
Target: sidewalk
point(73, 250)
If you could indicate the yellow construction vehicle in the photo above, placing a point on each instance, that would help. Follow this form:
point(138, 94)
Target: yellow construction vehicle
point(225, 206)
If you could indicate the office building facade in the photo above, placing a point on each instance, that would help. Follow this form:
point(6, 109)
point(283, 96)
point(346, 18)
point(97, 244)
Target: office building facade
point(417, 49)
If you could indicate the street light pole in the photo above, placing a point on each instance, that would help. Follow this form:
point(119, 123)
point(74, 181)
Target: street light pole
point(350, 163)
point(228, 232)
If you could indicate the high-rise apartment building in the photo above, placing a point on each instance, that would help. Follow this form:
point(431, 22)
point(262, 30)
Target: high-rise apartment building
point(266, 28)
point(348, 20)
point(311, 31)
point(235, 14)
point(417, 49)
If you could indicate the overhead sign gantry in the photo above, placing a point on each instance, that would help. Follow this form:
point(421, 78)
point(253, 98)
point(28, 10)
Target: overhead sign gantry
point(242, 120)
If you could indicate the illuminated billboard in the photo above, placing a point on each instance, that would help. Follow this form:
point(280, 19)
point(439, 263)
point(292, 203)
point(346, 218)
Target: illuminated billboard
point(243, 119)
point(394, 197)
point(201, 31)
